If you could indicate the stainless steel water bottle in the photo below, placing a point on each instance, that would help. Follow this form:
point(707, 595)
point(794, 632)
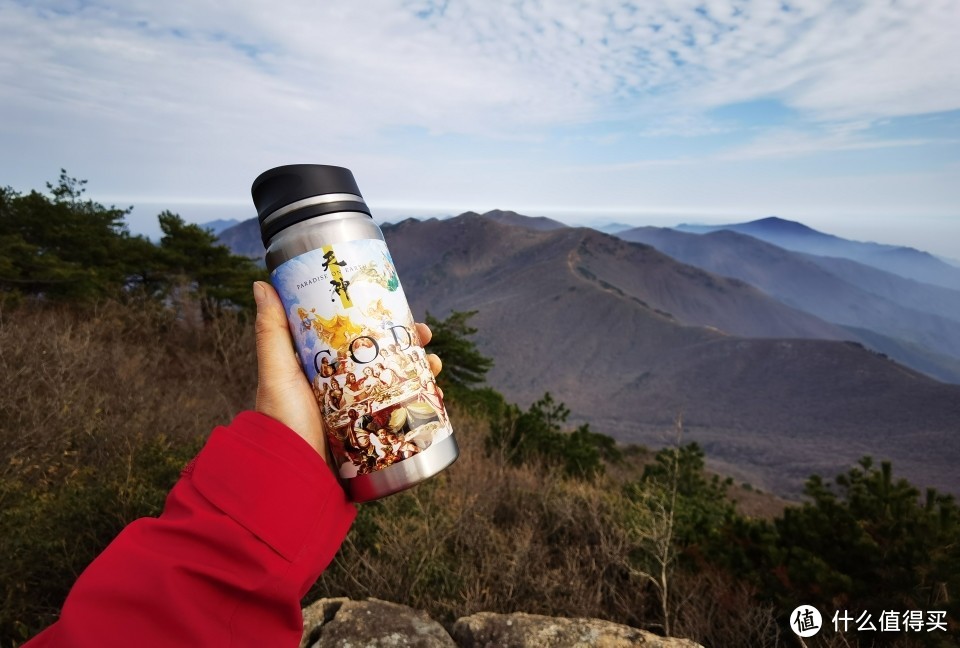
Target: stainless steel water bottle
point(353, 331)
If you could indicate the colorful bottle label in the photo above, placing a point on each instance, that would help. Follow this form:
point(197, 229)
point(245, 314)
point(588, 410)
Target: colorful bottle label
point(355, 336)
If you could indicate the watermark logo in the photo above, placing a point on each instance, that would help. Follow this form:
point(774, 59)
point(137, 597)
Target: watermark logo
point(805, 621)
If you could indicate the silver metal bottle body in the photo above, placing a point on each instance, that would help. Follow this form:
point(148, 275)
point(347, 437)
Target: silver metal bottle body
point(314, 233)
point(343, 228)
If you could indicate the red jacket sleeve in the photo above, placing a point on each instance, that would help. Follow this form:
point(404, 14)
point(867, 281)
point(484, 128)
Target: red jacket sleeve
point(251, 524)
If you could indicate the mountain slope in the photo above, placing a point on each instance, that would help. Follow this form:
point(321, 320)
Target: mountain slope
point(566, 311)
point(904, 261)
point(802, 282)
point(910, 293)
point(541, 223)
point(636, 272)
point(244, 239)
point(220, 224)
point(621, 333)
point(776, 411)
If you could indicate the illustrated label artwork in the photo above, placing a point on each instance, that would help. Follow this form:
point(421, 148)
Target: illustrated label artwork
point(355, 336)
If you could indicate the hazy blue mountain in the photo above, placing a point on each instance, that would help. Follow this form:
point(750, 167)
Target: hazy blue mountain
point(949, 261)
point(675, 290)
point(906, 292)
point(904, 261)
point(613, 228)
point(217, 226)
point(909, 335)
point(244, 238)
point(541, 223)
point(936, 365)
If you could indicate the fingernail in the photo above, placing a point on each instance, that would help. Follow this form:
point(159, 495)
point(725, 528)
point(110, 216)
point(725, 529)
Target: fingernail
point(259, 294)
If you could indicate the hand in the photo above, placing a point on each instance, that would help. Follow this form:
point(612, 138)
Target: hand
point(433, 360)
point(283, 392)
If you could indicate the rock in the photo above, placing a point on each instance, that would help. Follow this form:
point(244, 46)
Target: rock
point(316, 615)
point(374, 623)
point(489, 630)
point(370, 624)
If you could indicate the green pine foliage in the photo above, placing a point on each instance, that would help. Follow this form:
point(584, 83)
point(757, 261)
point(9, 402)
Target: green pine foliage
point(702, 506)
point(867, 543)
point(61, 247)
point(538, 435)
point(464, 367)
point(191, 258)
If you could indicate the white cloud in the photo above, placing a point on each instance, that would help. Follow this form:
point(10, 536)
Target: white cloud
point(482, 66)
point(790, 144)
point(193, 98)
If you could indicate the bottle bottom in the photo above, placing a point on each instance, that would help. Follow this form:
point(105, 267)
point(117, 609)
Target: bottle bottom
point(405, 474)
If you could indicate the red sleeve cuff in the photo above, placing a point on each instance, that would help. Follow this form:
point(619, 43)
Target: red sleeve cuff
point(271, 482)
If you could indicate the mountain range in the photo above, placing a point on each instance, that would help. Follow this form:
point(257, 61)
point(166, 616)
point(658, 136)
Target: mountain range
point(790, 235)
point(915, 323)
point(221, 224)
point(630, 338)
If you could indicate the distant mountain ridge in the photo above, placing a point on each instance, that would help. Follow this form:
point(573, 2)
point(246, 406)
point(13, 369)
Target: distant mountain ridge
point(629, 338)
point(889, 306)
point(905, 261)
point(219, 225)
point(540, 223)
point(244, 238)
point(588, 317)
point(613, 228)
point(907, 292)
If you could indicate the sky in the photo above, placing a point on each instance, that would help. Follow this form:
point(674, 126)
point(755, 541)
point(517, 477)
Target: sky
point(842, 115)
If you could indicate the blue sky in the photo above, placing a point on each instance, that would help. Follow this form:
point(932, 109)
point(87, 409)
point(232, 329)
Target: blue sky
point(842, 115)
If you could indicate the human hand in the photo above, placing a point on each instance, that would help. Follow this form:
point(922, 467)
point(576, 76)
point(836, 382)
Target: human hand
point(433, 360)
point(283, 392)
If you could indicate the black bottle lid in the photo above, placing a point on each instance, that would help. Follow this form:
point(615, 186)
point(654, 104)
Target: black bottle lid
point(278, 189)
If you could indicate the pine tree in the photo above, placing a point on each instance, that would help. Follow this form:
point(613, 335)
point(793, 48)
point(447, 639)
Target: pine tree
point(464, 367)
point(60, 246)
point(193, 260)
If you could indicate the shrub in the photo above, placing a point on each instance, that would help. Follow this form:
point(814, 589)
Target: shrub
point(102, 407)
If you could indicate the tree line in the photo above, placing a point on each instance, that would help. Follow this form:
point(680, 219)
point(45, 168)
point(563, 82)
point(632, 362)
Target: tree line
point(63, 247)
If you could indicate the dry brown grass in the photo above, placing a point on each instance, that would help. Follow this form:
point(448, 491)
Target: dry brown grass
point(89, 381)
point(101, 408)
point(488, 536)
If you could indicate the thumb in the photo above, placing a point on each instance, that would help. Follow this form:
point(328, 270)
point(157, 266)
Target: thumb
point(276, 359)
point(282, 388)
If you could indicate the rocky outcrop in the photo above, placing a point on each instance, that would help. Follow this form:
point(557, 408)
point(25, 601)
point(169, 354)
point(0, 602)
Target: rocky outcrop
point(342, 623)
point(488, 630)
point(374, 623)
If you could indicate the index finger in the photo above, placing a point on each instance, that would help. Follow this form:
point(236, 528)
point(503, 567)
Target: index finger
point(424, 333)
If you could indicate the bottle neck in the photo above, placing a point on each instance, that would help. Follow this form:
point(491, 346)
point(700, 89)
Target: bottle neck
point(314, 233)
point(308, 208)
